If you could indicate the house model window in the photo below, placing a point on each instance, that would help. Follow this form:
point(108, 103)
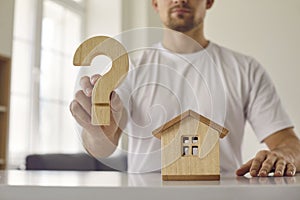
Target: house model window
point(190, 146)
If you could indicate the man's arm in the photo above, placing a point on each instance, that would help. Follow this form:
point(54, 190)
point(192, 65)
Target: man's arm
point(283, 157)
point(99, 141)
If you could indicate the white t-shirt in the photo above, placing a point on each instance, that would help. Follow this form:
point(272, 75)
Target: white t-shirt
point(224, 86)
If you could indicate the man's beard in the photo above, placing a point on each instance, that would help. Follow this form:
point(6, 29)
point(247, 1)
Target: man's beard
point(188, 24)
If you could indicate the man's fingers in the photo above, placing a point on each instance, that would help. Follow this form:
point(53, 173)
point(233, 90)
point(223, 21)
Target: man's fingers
point(86, 85)
point(116, 103)
point(84, 101)
point(280, 167)
point(266, 161)
point(244, 168)
point(80, 115)
point(257, 162)
point(95, 78)
point(290, 169)
point(268, 164)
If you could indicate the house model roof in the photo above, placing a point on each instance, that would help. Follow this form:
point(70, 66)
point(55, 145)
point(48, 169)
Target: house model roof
point(222, 131)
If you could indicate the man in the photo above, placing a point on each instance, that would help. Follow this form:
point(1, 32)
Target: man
point(248, 95)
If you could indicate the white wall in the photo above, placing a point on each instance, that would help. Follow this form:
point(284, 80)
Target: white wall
point(114, 16)
point(6, 27)
point(137, 14)
point(269, 31)
point(103, 18)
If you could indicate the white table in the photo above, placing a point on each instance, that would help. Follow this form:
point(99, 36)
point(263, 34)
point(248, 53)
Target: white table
point(57, 185)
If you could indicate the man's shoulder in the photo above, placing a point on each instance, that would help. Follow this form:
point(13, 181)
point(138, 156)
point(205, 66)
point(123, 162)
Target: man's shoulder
point(234, 59)
point(226, 52)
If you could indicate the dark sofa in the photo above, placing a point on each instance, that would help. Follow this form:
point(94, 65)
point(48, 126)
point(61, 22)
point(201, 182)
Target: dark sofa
point(77, 162)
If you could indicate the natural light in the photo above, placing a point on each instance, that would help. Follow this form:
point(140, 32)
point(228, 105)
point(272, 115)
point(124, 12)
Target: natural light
point(43, 77)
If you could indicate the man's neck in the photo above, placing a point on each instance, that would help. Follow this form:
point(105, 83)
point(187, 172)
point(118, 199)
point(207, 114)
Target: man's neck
point(185, 42)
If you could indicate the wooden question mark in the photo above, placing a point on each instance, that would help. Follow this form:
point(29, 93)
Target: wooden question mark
point(86, 52)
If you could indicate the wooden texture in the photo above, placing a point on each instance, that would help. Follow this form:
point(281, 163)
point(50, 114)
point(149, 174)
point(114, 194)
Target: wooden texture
point(86, 52)
point(190, 131)
point(5, 71)
point(2, 108)
point(205, 163)
point(191, 177)
point(223, 131)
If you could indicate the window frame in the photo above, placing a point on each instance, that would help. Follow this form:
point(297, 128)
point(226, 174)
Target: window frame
point(80, 9)
point(190, 144)
point(36, 59)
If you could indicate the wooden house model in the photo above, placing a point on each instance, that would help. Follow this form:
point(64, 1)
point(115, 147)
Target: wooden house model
point(190, 147)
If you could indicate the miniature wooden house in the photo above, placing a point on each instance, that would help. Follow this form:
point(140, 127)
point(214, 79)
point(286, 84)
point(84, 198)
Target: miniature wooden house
point(190, 147)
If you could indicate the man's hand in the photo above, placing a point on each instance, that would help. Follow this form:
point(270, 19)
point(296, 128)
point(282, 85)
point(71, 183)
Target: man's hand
point(283, 158)
point(100, 141)
point(265, 162)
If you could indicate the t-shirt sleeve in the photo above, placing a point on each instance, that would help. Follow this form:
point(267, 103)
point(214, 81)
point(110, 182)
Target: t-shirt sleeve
point(264, 111)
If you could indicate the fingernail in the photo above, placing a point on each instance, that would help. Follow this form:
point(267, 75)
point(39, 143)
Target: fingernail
point(253, 172)
point(88, 91)
point(290, 173)
point(94, 79)
point(262, 173)
point(279, 173)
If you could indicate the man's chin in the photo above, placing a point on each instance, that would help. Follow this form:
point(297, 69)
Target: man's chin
point(180, 25)
point(182, 28)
